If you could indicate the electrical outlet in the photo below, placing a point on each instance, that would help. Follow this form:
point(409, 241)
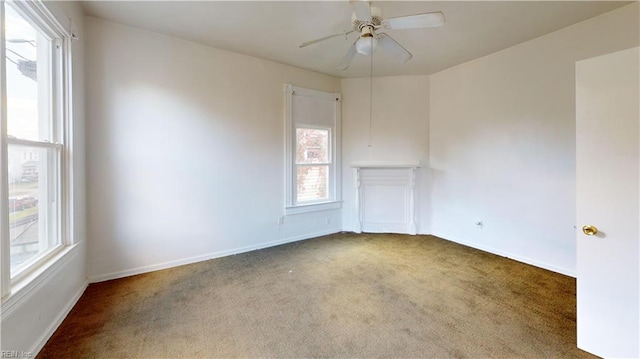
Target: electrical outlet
point(281, 220)
point(328, 220)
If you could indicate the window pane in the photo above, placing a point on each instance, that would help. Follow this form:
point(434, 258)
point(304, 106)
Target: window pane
point(312, 183)
point(33, 203)
point(28, 80)
point(312, 146)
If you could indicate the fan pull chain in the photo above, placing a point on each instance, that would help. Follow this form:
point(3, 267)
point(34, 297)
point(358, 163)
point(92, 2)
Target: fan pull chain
point(371, 99)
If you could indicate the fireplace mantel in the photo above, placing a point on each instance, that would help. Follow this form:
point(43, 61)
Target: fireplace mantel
point(386, 164)
point(385, 194)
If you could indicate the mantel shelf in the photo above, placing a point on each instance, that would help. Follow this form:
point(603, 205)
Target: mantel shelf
point(385, 164)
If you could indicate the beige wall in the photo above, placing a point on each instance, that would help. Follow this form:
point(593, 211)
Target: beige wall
point(502, 135)
point(186, 151)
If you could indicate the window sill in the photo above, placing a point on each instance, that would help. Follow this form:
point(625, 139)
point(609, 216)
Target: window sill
point(315, 207)
point(22, 288)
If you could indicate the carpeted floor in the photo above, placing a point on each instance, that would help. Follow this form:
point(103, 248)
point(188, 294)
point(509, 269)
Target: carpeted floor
point(343, 295)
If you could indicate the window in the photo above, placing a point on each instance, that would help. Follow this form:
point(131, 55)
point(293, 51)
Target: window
point(312, 122)
point(33, 138)
point(313, 162)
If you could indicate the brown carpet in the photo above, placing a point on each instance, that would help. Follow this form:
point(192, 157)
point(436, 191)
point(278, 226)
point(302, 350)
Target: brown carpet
point(343, 295)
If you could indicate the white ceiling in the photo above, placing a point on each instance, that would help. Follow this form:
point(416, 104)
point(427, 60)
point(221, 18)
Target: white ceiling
point(274, 30)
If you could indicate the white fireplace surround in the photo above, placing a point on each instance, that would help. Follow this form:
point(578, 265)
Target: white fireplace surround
point(385, 194)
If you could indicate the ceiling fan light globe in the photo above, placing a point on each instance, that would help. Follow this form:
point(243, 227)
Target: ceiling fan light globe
point(366, 45)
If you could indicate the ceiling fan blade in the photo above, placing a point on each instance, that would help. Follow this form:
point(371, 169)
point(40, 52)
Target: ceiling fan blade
point(348, 57)
point(430, 19)
point(362, 9)
point(395, 49)
point(305, 44)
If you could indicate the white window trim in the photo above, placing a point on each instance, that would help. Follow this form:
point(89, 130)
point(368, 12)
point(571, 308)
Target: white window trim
point(335, 192)
point(38, 13)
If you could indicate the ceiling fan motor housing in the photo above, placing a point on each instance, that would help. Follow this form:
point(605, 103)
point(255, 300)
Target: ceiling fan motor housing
point(367, 19)
point(376, 19)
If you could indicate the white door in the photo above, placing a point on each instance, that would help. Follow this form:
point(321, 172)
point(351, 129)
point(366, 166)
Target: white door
point(608, 198)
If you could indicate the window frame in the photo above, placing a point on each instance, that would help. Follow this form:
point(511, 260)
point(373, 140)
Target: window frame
point(59, 144)
point(292, 206)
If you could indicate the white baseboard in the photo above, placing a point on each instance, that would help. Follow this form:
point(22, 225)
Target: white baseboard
point(39, 344)
point(509, 255)
point(204, 257)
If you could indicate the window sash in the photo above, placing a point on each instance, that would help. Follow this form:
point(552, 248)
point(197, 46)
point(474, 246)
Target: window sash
point(31, 143)
point(327, 185)
point(39, 18)
point(49, 221)
point(329, 152)
point(313, 164)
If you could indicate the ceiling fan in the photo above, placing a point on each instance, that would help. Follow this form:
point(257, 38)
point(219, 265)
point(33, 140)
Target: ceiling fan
point(367, 20)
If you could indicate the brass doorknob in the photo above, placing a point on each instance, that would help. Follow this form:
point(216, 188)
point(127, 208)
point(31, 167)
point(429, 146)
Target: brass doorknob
point(589, 230)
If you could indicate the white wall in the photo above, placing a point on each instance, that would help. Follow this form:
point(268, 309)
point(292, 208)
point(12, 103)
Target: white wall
point(502, 134)
point(185, 152)
point(32, 313)
point(399, 133)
